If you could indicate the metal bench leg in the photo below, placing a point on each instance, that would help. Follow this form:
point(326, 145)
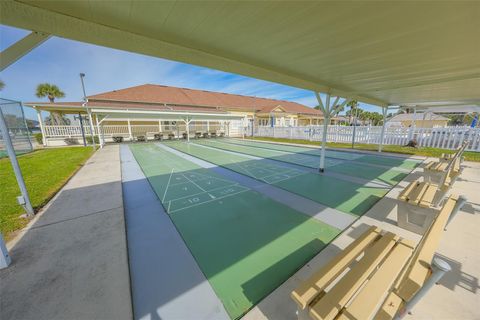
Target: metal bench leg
point(439, 268)
point(303, 314)
point(460, 203)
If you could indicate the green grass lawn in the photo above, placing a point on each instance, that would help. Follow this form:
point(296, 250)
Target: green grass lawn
point(45, 172)
point(422, 151)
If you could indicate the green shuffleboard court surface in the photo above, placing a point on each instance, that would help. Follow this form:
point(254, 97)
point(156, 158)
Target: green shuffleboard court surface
point(289, 157)
point(351, 168)
point(245, 243)
point(383, 160)
point(346, 196)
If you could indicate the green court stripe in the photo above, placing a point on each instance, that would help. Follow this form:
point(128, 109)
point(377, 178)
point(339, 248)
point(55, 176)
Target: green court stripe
point(350, 168)
point(380, 159)
point(343, 195)
point(245, 243)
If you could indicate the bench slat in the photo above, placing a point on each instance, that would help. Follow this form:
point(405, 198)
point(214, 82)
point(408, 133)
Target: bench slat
point(390, 307)
point(428, 196)
point(416, 194)
point(419, 269)
point(372, 295)
point(405, 193)
point(333, 301)
point(315, 285)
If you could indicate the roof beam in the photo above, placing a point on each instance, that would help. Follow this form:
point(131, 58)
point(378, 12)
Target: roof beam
point(21, 48)
point(30, 17)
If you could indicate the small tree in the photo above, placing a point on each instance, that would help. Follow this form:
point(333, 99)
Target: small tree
point(52, 92)
point(2, 85)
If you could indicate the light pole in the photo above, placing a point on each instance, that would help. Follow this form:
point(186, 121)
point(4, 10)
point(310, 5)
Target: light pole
point(84, 104)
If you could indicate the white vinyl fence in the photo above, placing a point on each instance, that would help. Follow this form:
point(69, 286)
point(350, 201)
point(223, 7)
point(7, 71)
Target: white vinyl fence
point(445, 138)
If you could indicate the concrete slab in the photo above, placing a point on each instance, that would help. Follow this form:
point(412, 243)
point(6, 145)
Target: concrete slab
point(166, 280)
point(71, 261)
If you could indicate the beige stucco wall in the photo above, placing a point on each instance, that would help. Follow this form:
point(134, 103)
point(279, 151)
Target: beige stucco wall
point(426, 123)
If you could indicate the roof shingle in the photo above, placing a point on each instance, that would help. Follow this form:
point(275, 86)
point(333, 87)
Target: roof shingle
point(159, 94)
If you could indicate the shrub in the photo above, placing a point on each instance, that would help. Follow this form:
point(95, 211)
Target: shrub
point(38, 138)
point(89, 139)
point(71, 141)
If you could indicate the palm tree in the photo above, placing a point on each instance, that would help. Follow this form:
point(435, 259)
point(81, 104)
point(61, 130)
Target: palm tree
point(51, 91)
point(2, 84)
point(353, 104)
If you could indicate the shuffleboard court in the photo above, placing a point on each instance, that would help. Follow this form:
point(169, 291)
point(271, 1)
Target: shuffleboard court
point(310, 161)
point(389, 161)
point(387, 175)
point(296, 149)
point(346, 196)
point(245, 243)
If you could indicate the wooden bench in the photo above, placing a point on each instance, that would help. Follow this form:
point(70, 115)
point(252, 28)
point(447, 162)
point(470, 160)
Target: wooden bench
point(434, 169)
point(377, 276)
point(422, 199)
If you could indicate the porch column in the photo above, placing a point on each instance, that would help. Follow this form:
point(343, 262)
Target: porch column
point(98, 132)
point(382, 135)
point(159, 125)
point(326, 115)
point(129, 130)
point(42, 127)
point(208, 126)
point(187, 128)
point(92, 130)
point(328, 110)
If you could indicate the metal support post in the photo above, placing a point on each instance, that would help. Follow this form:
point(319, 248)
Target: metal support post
point(81, 128)
point(439, 268)
point(24, 200)
point(98, 132)
point(382, 134)
point(130, 136)
point(42, 127)
point(5, 259)
point(458, 206)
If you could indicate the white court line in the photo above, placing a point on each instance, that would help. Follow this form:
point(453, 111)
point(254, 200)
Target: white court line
point(168, 183)
point(290, 177)
point(252, 175)
point(229, 195)
point(198, 193)
point(194, 183)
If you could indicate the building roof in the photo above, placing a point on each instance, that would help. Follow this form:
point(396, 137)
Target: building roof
point(156, 96)
point(418, 117)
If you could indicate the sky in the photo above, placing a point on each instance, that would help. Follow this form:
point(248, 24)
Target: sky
point(60, 61)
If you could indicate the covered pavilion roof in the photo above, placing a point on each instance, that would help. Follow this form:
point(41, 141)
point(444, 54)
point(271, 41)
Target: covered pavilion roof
point(384, 53)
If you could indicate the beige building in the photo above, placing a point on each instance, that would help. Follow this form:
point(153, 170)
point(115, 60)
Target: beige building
point(421, 120)
point(223, 113)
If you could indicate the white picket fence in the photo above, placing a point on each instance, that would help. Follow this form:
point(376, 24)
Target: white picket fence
point(444, 138)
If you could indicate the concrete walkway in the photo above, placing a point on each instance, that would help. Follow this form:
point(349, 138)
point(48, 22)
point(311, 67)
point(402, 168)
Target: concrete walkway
point(72, 262)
